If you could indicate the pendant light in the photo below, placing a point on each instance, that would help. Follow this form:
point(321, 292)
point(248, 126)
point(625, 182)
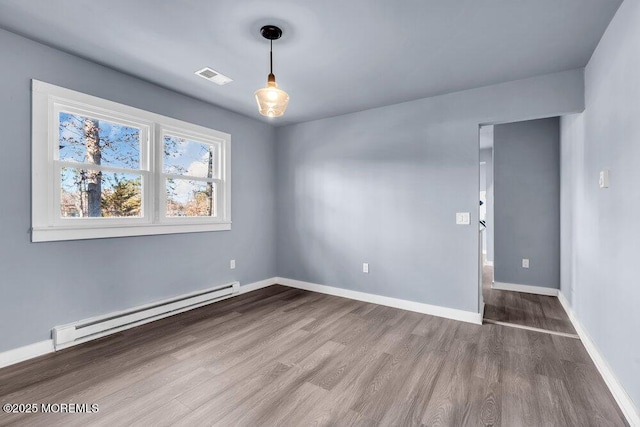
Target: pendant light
point(271, 101)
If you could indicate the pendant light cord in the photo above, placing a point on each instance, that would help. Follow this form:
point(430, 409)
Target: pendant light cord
point(271, 57)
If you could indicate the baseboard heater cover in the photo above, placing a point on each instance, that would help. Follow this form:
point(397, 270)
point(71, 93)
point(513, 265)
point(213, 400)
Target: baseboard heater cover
point(89, 329)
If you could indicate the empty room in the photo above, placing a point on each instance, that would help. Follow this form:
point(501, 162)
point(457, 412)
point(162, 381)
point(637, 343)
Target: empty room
point(291, 213)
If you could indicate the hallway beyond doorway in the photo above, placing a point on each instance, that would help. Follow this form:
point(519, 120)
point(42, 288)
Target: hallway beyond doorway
point(523, 309)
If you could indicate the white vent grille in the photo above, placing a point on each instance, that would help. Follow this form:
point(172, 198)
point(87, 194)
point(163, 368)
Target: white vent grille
point(214, 76)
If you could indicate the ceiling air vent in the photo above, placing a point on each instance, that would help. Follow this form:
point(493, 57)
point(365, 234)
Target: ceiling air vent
point(213, 76)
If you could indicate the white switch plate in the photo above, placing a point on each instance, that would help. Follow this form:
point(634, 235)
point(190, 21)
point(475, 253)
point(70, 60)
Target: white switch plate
point(365, 267)
point(232, 264)
point(463, 218)
point(525, 262)
point(603, 180)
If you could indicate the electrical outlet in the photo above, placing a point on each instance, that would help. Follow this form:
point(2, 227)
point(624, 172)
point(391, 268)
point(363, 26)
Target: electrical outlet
point(365, 267)
point(525, 262)
point(232, 264)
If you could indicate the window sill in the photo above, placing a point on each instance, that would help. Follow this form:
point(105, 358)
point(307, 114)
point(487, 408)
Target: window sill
point(53, 234)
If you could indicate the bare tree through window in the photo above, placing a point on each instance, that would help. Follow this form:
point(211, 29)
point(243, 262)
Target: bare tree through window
point(92, 189)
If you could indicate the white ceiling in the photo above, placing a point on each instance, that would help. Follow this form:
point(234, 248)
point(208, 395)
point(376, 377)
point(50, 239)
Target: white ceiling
point(335, 56)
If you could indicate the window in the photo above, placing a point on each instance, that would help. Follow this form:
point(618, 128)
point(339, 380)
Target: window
point(190, 175)
point(99, 166)
point(103, 169)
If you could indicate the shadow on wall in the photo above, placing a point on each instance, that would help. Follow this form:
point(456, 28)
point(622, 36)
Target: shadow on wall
point(350, 211)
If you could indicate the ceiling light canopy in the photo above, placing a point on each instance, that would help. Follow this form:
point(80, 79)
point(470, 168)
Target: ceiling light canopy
point(272, 101)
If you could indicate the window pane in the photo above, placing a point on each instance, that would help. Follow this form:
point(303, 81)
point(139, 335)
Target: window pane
point(186, 157)
point(98, 142)
point(190, 198)
point(87, 193)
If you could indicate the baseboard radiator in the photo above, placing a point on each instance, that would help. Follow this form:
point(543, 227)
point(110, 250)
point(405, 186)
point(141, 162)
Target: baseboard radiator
point(89, 329)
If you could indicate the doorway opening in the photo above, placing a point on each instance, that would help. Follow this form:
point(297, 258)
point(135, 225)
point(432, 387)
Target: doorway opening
point(519, 212)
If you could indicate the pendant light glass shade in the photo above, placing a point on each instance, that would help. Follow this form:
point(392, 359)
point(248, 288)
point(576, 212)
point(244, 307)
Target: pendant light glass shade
point(272, 102)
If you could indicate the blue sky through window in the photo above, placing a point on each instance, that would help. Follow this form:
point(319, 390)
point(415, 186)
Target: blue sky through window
point(120, 144)
point(186, 157)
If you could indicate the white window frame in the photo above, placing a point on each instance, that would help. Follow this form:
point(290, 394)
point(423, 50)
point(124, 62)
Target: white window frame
point(47, 224)
point(218, 180)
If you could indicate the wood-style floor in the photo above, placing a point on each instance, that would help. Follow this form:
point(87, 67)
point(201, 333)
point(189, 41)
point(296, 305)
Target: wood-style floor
point(280, 356)
point(536, 311)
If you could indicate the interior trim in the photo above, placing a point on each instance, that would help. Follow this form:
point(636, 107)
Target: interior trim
point(531, 328)
point(434, 310)
point(20, 354)
point(528, 289)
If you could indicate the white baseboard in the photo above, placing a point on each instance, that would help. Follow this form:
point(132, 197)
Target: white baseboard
point(538, 290)
point(628, 408)
point(434, 310)
point(31, 351)
point(257, 285)
point(20, 354)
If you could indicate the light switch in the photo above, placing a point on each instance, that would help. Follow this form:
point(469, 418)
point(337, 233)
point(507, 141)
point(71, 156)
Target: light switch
point(463, 218)
point(365, 267)
point(603, 181)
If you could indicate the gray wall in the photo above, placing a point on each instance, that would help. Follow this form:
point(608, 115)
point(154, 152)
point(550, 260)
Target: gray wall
point(486, 155)
point(601, 278)
point(527, 202)
point(383, 186)
point(47, 284)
